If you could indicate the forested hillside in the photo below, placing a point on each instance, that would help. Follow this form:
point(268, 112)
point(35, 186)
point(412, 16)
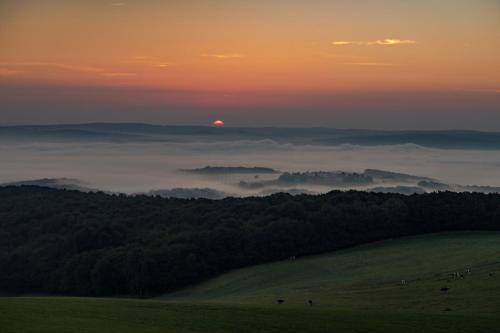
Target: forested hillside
point(68, 242)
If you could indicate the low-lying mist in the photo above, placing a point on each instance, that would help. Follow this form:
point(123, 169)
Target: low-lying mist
point(138, 167)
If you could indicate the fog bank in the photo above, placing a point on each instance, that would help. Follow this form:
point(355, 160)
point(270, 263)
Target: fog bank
point(144, 166)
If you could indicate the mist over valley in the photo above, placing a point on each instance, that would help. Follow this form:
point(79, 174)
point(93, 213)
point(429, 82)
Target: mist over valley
point(193, 161)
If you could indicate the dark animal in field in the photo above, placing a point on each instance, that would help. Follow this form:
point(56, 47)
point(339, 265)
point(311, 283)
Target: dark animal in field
point(310, 302)
point(457, 275)
point(491, 274)
point(445, 289)
point(280, 301)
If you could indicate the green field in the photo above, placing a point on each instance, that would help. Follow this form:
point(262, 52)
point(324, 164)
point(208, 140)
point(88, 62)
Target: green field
point(368, 277)
point(354, 290)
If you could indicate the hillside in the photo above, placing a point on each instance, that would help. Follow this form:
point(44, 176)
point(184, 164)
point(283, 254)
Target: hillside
point(353, 290)
point(368, 278)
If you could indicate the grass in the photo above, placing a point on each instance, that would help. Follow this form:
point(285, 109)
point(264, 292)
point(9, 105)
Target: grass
point(77, 315)
point(354, 290)
point(368, 277)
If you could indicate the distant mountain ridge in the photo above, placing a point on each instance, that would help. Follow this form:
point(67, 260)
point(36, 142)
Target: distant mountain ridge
point(56, 183)
point(215, 170)
point(139, 132)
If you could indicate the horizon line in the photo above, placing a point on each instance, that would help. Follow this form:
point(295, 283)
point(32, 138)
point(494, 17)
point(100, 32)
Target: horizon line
point(221, 128)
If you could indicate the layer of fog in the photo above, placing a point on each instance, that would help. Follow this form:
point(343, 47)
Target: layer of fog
point(142, 167)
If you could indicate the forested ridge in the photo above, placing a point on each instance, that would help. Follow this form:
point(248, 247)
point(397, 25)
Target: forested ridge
point(74, 243)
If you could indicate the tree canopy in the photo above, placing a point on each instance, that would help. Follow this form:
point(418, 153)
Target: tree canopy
point(74, 243)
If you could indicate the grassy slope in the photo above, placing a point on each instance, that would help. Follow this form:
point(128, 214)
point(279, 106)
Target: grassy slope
point(368, 277)
point(355, 290)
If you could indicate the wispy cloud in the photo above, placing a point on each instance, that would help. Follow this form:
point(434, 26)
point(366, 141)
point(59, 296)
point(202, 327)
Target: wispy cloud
point(76, 68)
point(341, 56)
point(8, 72)
point(149, 61)
point(142, 57)
point(381, 64)
point(484, 90)
point(70, 67)
point(224, 56)
point(117, 4)
point(10, 68)
point(383, 42)
point(492, 90)
point(117, 74)
point(343, 42)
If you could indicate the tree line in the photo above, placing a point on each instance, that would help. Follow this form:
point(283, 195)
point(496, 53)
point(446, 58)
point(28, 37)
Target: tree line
point(74, 243)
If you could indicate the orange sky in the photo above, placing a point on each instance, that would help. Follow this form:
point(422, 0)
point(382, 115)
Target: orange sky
point(281, 46)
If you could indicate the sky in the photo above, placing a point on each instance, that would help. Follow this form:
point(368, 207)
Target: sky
point(348, 64)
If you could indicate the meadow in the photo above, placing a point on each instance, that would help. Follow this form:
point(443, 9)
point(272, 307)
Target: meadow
point(353, 290)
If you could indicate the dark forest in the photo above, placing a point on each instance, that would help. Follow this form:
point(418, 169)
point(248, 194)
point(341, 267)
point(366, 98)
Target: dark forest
point(72, 243)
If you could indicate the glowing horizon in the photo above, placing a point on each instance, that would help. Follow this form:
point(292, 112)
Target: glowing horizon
point(253, 50)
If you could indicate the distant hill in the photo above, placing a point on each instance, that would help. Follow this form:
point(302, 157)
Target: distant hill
point(136, 132)
point(370, 180)
point(434, 185)
point(324, 178)
point(406, 190)
point(291, 191)
point(216, 170)
point(341, 179)
point(383, 175)
point(56, 183)
point(188, 193)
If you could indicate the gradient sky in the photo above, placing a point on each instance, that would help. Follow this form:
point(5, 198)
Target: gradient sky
point(371, 64)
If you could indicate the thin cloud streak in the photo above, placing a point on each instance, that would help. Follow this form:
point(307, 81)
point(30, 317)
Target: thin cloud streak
point(118, 74)
point(341, 56)
point(9, 72)
point(148, 61)
point(382, 42)
point(75, 68)
point(382, 64)
point(224, 56)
